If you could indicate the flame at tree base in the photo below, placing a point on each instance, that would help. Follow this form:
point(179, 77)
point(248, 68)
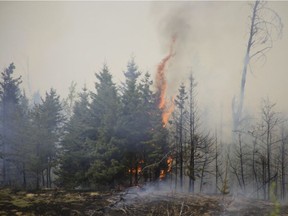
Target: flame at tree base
point(163, 172)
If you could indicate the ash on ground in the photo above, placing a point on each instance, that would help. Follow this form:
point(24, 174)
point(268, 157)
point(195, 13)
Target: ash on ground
point(151, 201)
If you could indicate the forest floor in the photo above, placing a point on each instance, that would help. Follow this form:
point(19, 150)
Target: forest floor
point(133, 202)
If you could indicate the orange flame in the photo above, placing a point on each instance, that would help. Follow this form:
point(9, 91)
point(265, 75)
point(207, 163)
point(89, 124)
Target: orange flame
point(139, 169)
point(161, 84)
point(169, 163)
point(162, 174)
point(167, 112)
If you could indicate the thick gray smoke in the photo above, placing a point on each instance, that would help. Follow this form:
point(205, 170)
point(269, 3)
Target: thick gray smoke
point(211, 43)
point(188, 22)
point(174, 22)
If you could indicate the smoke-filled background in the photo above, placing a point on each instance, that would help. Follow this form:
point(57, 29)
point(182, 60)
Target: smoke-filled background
point(54, 43)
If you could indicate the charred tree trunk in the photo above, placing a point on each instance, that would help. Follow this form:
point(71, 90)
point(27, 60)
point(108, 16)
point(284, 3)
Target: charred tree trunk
point(47, 177)
point(4, 152)
point(268, 160)
point(283, 173)
point(241, 162)
point(181, 149)
point(192, 168)
point(202, 173)
point(4, 167)
point(264, 178)
point(131, 176)
point(24, 175)
point(192, 127)
point(180, 102)
point(37, 180)
point(49, 173)
point(43, 178)
point(255, 177)
point(136, 175)
point(216, 165)
point(176, 156)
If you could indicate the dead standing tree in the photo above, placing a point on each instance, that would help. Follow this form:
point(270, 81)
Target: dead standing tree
point(193, 129)
point(265, 27)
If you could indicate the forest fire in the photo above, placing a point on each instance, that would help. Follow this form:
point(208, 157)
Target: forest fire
point(161, 84)
point(169, 164)
point(163, 172)
point(133, 170)
point(168, 111)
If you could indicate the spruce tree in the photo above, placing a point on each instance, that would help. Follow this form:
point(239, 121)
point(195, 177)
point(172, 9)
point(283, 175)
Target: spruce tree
point(9, 100)
point(74, 160)
point(48, 120)
point(180, 102)
point(106, 167)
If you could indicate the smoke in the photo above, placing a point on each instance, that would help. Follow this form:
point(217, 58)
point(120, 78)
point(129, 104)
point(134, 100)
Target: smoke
point(173, 22)
point(201, 48)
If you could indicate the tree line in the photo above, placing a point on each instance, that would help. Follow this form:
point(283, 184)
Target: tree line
point(114, 136)
point(100, 137)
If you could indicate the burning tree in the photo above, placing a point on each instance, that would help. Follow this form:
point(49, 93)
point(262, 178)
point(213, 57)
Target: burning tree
point(161, 85)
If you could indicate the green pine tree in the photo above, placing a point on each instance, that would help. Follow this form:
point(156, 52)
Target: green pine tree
point(48, 121)
point(74, 158)
point(9, 100)
point(105, 149)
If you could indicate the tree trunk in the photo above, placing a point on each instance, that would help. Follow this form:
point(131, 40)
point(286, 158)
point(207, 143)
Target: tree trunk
point(283, 180)
point(192, 135)
point(181, 149)
point(264, 179)
point(136, 175)
point(255, 178)
point(216, 166)
point(24, 176)
point(268, 161)
point(202, 174)
point(43, 178)
point(37, 180)
point(241, 163)
point(47, 177)
point(238, 112)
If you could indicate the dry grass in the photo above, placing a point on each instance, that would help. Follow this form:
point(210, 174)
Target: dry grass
point(130, 203)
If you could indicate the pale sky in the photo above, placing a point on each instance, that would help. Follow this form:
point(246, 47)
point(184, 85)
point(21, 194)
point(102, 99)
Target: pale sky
point(60, 42)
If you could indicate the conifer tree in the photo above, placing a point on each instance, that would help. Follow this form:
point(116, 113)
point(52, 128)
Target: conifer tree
point(9, 100)
point(106, 167)
point(48, 120)
point(74, 160)
point(180, 102)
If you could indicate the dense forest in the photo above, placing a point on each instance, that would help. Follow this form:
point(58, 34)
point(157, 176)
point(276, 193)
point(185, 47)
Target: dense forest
point(117, 136)
point(130, 134)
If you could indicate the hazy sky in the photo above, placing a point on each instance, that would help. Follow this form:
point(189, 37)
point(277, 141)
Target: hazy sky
point(59, 42)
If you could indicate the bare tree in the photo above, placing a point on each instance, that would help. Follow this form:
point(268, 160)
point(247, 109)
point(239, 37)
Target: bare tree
point(180, 102)
point(193, 124)
point(283, 159)
point(265, 26)
point(219, 165)
point(266, 154)
point(270, 120)
point(206, 158)
point(238, 162)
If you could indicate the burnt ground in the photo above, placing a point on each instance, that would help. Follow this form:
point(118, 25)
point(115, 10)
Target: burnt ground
point(133, 202)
